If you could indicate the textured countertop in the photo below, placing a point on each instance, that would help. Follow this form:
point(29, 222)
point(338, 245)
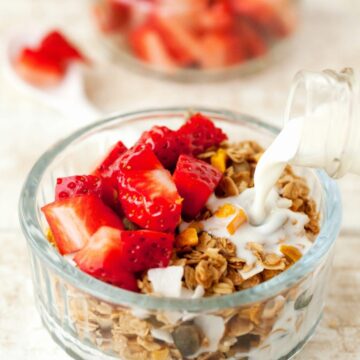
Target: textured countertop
point(328, 38)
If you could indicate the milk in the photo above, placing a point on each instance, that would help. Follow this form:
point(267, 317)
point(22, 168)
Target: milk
point(317, 140)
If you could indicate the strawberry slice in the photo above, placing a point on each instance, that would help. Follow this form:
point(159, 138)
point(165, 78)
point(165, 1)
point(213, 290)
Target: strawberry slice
point(46, 65)
point(137, 158)
point(111, 15)
point(60, 48)
point(181, 41)
point(101, 258)
point(149, 199)
point(222, 49)
point(145, 249)
point(71, 186)
point(147, 44)
point(74, 220)
point(195, 180)
point(166, 144)
point(110, 164)
point(38, 68)
point(202, 133)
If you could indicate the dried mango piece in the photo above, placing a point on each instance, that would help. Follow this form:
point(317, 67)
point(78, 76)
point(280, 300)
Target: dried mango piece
point(188, 237)
point(225, 210)
point(162, 354)
point(291, 252)
point(218, 160)
point(239, 219)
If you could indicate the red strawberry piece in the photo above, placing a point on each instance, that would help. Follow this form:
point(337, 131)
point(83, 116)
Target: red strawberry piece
point(111, 162)
point(195, 180)
point(137, 158)
point(222, 49)
point(61, 49)
point(78, 185)
point(253, 40)
point(146, 249)
point(112, 15)
point(74, 220)
point(38, 68)
point(166, 144)
point(150, 199)
point(202, 133)
point(101, 258)
point(180, 40)
point(147, 45)
point(217, 17)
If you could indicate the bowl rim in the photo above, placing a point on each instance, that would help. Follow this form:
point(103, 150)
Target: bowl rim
point(38, 243)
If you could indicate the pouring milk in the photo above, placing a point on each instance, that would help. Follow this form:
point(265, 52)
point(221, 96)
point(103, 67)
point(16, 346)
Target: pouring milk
point(326, 135)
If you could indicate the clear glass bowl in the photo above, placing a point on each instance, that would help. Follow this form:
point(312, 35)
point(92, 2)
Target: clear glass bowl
point(93, 320)
point(196, 39)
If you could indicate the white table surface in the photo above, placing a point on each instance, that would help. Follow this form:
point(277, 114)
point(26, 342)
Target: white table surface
point(328, 38)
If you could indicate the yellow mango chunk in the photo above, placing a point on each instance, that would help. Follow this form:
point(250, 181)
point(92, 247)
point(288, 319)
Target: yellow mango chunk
point(225, 210)
point(291, 252)
point(239, 219)
point(218, 160)
point(188, 237)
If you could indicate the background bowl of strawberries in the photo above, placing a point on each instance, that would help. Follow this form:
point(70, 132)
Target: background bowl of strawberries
point(85, 269)
point(190, 39)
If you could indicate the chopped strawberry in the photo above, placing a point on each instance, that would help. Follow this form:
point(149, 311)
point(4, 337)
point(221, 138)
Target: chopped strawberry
point(145, 249)
point(147, 44)
point(222, 49)
point(150, 199)
point(180, 40)
point(217, 17)
point(101, 258)
point(195, 180)
point(112, 15)
point(137, 158)
point(111, 162)
point(78, 185)
point(38, 68)
point(166, 144)
point(74, 220)
point(46, 65)
point(202, 133)
point(57, 46)
point(254, 42)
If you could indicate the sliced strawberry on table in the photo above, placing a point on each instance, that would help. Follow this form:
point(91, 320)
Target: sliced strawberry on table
point(71, 186)
point(38, 68)
point(195, 180)
point(60, 48)
point(166, 144)
point(149, 199)
point(101, 258)
point(202, 133)
point(146, 43)
point(74, 220)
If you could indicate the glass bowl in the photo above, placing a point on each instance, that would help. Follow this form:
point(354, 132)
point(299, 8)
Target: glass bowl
point(196, 39)
point(93, 320)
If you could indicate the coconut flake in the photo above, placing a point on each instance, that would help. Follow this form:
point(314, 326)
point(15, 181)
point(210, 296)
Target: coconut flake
point(70, 259)
point(213, 328)
point(162, 335)
point(199, 292)
point(167, 281)
point(258, 268)
point(141, 314)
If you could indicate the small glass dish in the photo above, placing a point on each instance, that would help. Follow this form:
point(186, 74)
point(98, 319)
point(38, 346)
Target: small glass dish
point(195, 40)
point(93, 320)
